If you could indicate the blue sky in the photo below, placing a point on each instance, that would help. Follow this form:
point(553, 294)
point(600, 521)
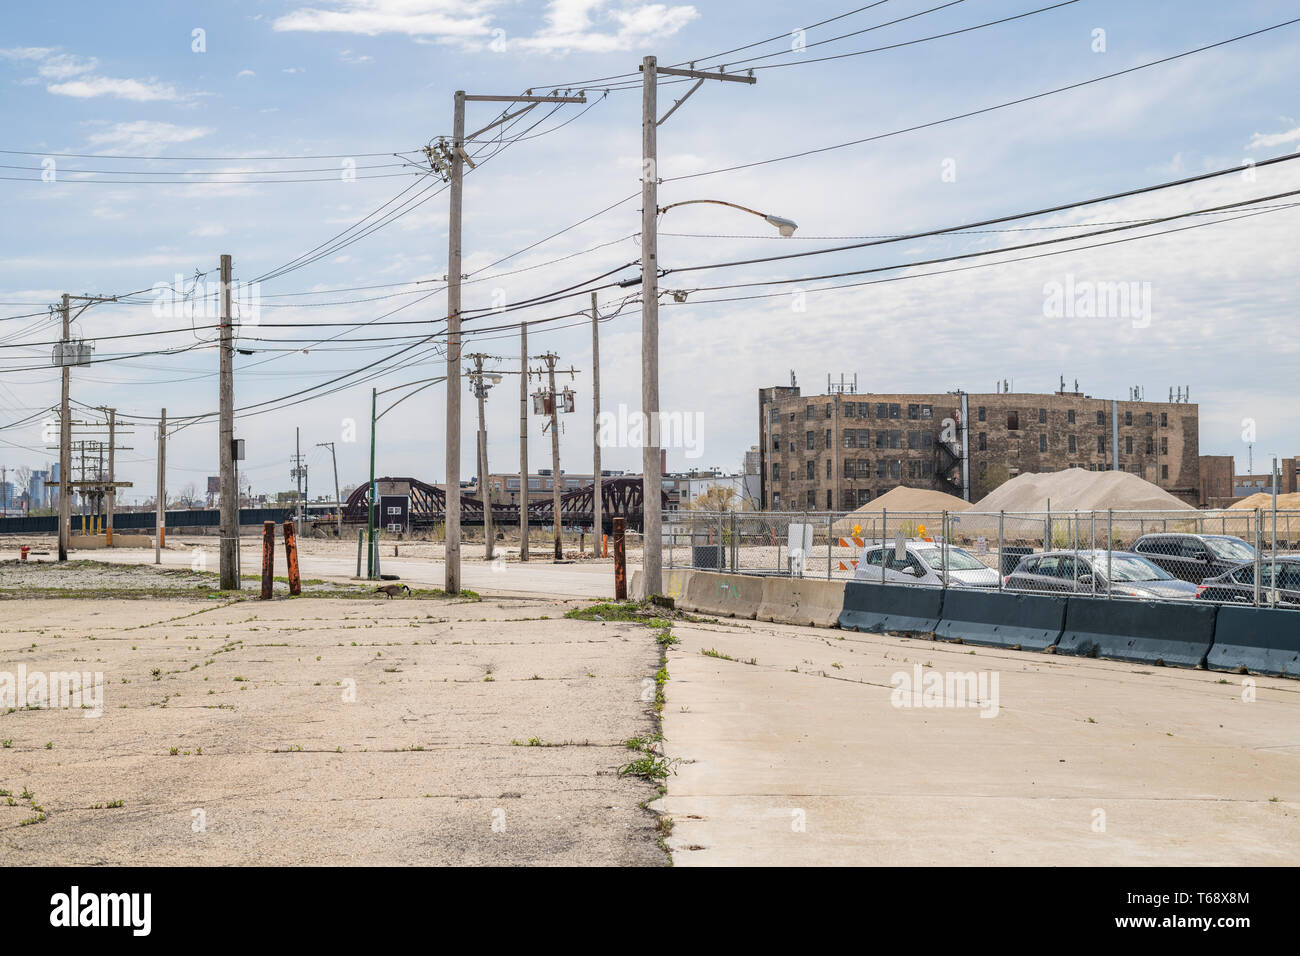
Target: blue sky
point(331, 81)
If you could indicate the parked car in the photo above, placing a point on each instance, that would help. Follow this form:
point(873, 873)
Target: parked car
point(1238, 585)
point(1194, 557)
point(1084, 572)
point(924, 565)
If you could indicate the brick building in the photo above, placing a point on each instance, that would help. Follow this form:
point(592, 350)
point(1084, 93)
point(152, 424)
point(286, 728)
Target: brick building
point(839, 451)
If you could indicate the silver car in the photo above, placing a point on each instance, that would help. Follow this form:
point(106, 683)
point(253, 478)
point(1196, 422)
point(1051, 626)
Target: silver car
point(1085, 572)
point(924, 565)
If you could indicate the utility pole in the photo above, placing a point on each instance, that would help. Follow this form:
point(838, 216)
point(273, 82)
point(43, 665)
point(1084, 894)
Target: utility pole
point(452, 161)
point(228, 490)
point(297, 473)
point(112, 478)
point(370, 512)
point(480, 389)
point(162, 488)
point(523, 441)
point(65, 437)
point(337, 500)
point(597, 523)
point(652, 478)
point(552, 407)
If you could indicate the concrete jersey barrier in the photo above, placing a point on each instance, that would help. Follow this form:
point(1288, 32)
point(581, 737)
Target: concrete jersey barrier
point(806, 601)
point(727, 595)
point(1264, 640)
point(1149, 632)
point(895, 608)
point(1001, 619)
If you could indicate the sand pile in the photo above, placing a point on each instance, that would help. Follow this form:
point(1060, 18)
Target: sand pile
point(1264, 501)
point(1076, 489)
point(909, 504)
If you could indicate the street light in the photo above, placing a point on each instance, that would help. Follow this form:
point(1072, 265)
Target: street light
point(785, 226)
point(374, 418)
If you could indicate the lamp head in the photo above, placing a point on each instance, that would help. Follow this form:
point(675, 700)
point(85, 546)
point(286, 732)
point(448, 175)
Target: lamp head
point(785, 226)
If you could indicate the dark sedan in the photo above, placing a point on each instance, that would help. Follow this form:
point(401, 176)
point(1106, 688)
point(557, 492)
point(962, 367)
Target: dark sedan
point(1194, 557)
point(1238, 585)
point(1085, 572)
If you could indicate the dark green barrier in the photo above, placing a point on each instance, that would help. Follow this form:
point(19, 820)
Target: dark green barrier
point(1177, 633)
point(896, 608)
point(1260, 639)
point(1001, 618)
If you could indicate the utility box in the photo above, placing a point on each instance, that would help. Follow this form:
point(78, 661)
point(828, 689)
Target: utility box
point(395, 513)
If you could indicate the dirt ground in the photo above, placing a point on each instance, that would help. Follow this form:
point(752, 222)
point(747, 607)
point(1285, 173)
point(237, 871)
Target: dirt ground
point(327, 731)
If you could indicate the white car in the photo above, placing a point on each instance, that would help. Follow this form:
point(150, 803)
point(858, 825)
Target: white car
point(924, 565)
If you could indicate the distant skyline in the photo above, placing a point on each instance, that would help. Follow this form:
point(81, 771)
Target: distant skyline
point(328, 91)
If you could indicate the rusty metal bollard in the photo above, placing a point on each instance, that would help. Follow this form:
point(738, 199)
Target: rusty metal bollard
point(268, 559)
point(620, 562)
point(291, 557)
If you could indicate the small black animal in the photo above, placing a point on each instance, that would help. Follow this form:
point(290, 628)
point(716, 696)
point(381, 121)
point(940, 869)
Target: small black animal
point(392, 589)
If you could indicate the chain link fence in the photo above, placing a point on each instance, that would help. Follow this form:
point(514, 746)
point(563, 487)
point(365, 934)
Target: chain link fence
point(1247, 557)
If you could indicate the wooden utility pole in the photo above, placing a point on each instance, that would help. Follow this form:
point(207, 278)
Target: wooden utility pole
point(523, 441)
point(162, 488)
point(484, 491)
point(453, 161)
point(652, 477)
point(229, 493)
point(65, 437)
point(112, 478)
point(337, 500)
point(597, 522)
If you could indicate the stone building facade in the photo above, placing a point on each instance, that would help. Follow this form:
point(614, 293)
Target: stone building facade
point(837, 452)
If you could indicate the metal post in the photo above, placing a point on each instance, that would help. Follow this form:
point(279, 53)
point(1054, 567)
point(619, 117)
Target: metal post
point(523, 441)
point(1110, 540)
point(830, 540)
point(943, 529)
point(884, 533)
point(161, 503)
point(1273, 547)
point(620, 561)
point(268, 559)
point(1259, 561)
point(485, 491)
point(291, 559)
point(1002, 563)
point(229, 493)
point(597, 520)
point(452, 555)
point(361, 542)
point(652, 481)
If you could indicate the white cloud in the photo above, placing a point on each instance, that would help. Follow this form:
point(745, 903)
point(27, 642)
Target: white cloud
point(144, 136)
point(139, 91)
point(442, 18)
point(242, 73)
point(293, 69)
point(209, 231)
point(64, 66)
point(570, 26)
point(26, 53)
point(1265, 140)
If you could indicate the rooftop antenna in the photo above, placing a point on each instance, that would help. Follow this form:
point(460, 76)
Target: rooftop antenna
point(792, 381)
point(1076, 384)
point(1062, 384)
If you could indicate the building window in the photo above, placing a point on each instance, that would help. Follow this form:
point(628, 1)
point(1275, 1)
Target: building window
point(776, 501)
point(808, 412)
point(829, 469)
point(1164, 419)
point(1151, 445)
point(774, 415)
point(1042, 442)
point(981, 413)
point(882, 469)
point(812, 498)
point(1164, 472)
point(984, 441)
point(913, 412)
point(811, 439)
point(1042, 416)
point(829, 504)
point(913, 439)
point(848, 408)
point(882, 410)
point(776, 443)
point(1128, 444)
point(895, 469)
point(1013, 421)
point(1148, 419)
point(829, 413)
point(776, 471)
point(1128, 417)
point(1101, 418)
point(1164, 446)
point(1101, 444)
point(1073, 445)
point(1069, 417)
point(828, 439)
point(811, 469)
point(927, 412)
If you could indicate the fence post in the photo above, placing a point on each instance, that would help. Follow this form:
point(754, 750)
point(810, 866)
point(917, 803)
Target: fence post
point(268, 559)
point(943, 529)
point(1110, 541)
point(735, 546)
point(1259, 561)
point(291, 557)
point(830, 540)
point(884, 533)
point(361, 536)
point(1002, 562)
point(620, 562)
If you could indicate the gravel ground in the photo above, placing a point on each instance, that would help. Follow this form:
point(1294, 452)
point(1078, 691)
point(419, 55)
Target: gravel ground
point(41, 576)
